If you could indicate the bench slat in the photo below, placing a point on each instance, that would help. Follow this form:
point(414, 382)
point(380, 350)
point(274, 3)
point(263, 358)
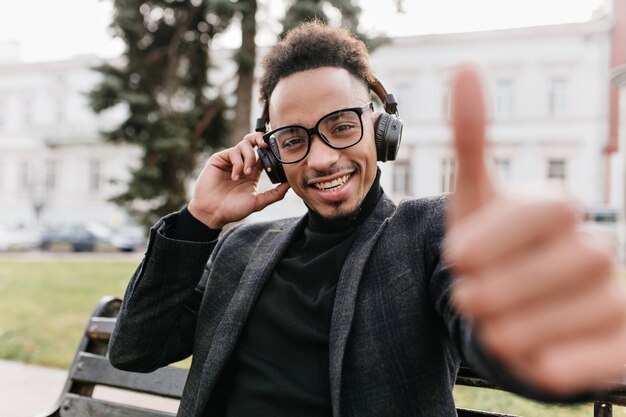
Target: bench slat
point(95, 369)
point(466, 412)
point(100, 328)
point(466, 376)
point(77, 406)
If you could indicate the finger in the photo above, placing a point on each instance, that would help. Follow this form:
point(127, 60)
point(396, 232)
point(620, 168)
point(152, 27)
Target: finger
point(236, 159)
point(567, 265)
point(249, 157)
point(519, 334)
point(582, 365)
point(473, 185)
point(254, 138)
point(503, 227)
point(273, 195)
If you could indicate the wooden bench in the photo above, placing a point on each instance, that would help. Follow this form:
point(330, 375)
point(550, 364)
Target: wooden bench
point(91, 370)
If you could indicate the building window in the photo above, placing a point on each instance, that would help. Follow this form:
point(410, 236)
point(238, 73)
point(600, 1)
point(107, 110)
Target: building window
point(504, 98)
point(24, 176)
point(556, 170)
point(95, 175)
point(60, 109)
point(27, 112)
point(447, 174)
point(403, 94)
point(51, 175)
point(503, 169)
point(557, 96)
point(402, 177)
point(447, 103)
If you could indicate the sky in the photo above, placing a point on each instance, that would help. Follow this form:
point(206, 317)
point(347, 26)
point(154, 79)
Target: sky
point(59, 29)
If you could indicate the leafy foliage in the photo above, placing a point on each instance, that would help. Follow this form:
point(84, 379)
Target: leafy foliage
point(348, 10)
point(173, 114)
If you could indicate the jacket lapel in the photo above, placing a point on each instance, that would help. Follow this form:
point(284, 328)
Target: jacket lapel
point(347, 287)
point(270, 249)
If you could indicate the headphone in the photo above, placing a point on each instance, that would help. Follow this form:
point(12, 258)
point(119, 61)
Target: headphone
point(388, 134)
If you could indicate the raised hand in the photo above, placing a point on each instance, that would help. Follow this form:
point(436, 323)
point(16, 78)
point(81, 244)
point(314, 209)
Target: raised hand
point(539, 291)
point(226, 189)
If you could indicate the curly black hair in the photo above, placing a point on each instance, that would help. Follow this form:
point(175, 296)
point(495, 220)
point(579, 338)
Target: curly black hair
point(314, 45)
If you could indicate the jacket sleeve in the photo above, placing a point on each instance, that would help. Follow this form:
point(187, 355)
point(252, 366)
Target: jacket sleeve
point(157, 319)
point(462, 334)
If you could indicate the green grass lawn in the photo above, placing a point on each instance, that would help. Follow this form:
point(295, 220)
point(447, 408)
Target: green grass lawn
point(44, 306)
point(504, 402)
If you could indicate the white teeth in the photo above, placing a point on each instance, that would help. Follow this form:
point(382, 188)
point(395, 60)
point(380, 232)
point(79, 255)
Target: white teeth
point(332, 184)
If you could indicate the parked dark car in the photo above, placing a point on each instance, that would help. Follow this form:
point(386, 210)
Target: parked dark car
point(87, 238)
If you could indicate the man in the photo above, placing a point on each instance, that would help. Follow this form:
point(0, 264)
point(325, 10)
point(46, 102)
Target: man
point(347, 311)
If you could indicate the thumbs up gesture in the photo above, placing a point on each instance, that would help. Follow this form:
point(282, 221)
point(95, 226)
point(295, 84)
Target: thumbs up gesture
point(539, 291)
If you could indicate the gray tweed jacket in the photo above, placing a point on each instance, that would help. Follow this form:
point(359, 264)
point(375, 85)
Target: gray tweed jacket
point(395, 341)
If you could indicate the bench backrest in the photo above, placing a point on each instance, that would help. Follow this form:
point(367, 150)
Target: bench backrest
point(91, 370)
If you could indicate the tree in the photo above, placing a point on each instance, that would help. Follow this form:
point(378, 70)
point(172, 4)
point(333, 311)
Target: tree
point(350, 11)
point(246, 62)
point(174, 115)
point(303, 10)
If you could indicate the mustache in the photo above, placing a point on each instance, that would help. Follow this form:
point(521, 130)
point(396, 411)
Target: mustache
point(328, 172)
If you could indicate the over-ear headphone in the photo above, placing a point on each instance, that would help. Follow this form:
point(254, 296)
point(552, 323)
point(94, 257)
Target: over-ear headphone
point(388, 134)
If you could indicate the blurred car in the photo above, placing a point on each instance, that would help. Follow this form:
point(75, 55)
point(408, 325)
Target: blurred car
point(605, 219)
point(17, 239)
point(128, 238)
point(88, 237)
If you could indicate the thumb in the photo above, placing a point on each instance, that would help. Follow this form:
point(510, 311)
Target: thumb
point(473, 184)
point(271, 196)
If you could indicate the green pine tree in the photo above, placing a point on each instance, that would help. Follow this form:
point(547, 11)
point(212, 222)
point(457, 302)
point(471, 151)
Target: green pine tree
point(350, 11)
point(174, 115)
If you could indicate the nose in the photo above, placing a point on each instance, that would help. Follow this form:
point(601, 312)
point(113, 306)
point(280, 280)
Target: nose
point(321, 156)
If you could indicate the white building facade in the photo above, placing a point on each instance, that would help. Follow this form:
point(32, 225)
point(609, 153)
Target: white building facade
point(54, 166)
point(547, 94)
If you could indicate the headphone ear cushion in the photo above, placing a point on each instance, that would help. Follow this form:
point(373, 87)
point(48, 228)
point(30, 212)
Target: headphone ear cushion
point(387, 137)
point(379, 138)
point(272, 167)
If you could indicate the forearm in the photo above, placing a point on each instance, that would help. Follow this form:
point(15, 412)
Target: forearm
point(157, 319)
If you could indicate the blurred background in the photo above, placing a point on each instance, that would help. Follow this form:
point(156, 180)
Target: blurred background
point(108, 109)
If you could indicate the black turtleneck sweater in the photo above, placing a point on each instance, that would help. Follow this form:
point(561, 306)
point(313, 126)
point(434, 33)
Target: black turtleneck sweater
point(280, 366)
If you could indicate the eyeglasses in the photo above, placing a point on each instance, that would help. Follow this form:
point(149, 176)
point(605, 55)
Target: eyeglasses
point(340, 129)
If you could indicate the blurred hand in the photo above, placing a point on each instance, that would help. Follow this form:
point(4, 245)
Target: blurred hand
point(226, 189)
point(539, 291)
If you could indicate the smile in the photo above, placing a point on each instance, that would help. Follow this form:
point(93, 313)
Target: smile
point(332, 185)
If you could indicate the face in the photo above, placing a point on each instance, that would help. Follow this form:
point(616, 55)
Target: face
point(332, 182)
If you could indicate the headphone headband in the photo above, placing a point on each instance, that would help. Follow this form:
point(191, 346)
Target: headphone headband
point(388, 99)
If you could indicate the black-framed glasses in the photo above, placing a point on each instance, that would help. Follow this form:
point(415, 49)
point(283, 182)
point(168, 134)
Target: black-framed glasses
point(340, 129)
